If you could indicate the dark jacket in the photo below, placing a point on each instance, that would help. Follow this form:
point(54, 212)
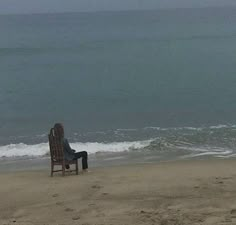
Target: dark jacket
point(69, 153)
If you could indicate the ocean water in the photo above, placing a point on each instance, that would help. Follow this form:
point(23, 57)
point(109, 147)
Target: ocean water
point(120, 81)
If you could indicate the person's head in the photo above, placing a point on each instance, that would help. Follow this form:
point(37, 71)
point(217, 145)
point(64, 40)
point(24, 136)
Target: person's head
point(59, 130)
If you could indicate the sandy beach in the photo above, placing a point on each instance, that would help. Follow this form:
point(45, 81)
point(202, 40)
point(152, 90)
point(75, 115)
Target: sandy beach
point(170, 193)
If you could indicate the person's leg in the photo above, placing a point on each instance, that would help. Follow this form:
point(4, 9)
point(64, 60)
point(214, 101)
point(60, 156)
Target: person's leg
point(84, 156)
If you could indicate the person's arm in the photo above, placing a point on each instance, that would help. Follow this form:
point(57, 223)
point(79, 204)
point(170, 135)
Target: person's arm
point(67, 146)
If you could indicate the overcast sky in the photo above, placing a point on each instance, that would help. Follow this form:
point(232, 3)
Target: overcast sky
point(41, 6)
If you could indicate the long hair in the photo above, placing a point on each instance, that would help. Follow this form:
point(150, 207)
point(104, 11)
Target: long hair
point(59, 130)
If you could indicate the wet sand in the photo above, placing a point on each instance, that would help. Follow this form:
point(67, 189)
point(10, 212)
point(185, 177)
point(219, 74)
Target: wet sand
point(170, 193)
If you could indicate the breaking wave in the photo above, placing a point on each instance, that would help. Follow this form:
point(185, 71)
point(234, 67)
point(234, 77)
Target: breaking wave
point(188, 142)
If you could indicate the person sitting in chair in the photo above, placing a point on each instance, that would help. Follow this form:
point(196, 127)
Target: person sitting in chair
point(69, 153)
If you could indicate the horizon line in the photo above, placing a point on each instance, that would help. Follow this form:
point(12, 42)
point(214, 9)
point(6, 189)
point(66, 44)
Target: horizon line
point(120, 10)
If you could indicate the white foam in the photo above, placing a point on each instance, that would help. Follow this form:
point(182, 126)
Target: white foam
point(193, 128)
point(216, 154)
point(174, 128)
point(213, 153)
point(227, 156)
point(220, 126)
point(110, 147)
point(153, 128)
point(114, 158)
point(131, 129)
point(204, 151)
point(16, 150)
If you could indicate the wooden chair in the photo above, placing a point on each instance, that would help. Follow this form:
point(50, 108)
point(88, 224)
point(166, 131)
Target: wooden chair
point(57, 155)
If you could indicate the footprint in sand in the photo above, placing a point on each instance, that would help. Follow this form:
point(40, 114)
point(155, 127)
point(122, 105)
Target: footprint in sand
point(76, 218)
point(233, 213)
point(55, 195)
point(96, 186)
point(164, 222)
point(223, 178)
point(92, 204)
point(59, 203)
point(227, 178)
point(147, 214)
point(101, 215)
point(227, 219)
point(69, 210)
point(219, 182)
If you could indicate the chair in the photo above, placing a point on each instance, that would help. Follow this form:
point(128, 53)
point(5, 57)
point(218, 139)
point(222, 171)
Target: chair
point(57, 155)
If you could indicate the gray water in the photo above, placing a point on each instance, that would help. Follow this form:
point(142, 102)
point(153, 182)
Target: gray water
point(99, 73)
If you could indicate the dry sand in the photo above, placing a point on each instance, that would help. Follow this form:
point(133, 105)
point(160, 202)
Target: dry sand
point(173, 193)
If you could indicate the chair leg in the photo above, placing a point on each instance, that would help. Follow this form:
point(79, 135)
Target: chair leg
point(77, 167)
point(52, 168)
point(63, 169)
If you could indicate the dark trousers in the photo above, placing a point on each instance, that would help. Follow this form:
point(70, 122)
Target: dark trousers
point(84, 156)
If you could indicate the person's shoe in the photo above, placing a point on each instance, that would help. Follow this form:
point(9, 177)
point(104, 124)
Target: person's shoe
point(67, 167)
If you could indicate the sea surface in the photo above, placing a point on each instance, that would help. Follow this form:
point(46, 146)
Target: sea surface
point(159, 81)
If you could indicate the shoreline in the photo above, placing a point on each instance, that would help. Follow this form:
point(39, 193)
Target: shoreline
point(102, 159)
point(166, 193)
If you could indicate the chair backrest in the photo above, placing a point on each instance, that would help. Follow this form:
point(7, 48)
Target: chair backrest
point(56, 147)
